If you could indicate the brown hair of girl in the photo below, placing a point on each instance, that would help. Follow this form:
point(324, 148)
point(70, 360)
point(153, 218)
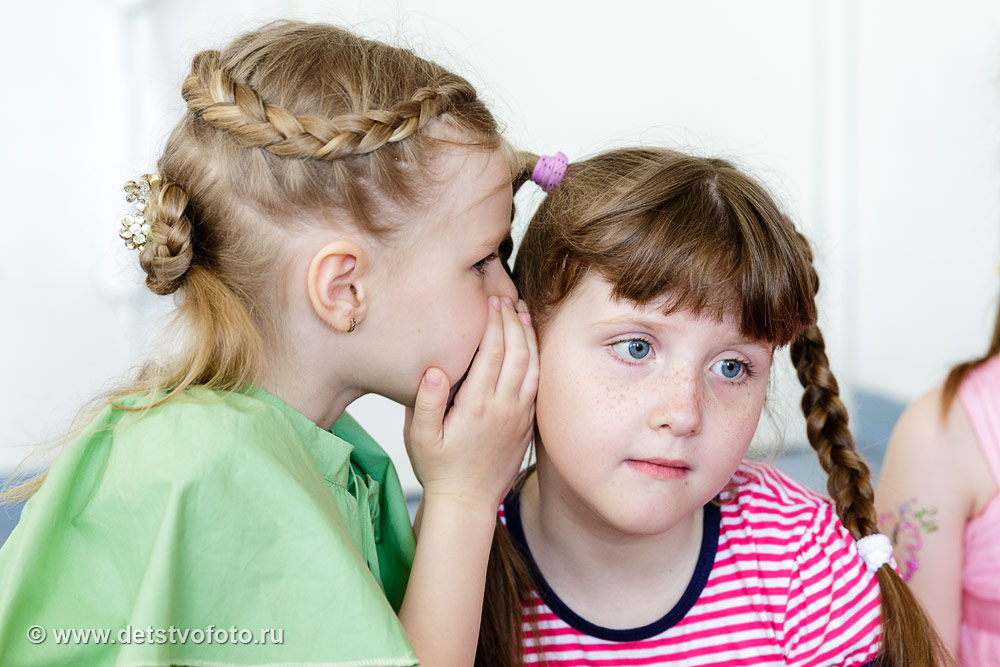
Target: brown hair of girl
point(286, 125)
point(958, 373)
point(655, 223)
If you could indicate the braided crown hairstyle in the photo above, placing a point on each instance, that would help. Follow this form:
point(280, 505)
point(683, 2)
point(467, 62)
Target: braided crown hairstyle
point(285, 125)
point(655, 223)
point(297, 117)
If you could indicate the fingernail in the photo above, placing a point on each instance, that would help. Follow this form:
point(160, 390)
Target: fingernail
point(526, 318)
point(509, 301)
point(432, 379)
point(494, 303)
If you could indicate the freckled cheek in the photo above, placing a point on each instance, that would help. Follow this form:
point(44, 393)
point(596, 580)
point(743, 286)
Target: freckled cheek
point(738, 419)
point(579, 405)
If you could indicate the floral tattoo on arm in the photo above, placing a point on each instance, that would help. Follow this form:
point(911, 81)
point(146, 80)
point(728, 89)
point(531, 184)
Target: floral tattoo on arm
point(905, 529)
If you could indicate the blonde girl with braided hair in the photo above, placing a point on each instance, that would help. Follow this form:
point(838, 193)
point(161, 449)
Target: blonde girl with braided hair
point(329, 213)
point(661, 285)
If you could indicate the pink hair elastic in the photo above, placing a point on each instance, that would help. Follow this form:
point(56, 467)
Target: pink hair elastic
point(549, 170)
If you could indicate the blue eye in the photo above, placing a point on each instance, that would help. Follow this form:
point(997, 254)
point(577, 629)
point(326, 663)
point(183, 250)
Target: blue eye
point(729, 368)
point(633, 349)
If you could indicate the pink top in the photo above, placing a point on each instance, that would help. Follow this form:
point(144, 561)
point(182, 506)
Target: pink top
point(778, 582)
point(979, 642)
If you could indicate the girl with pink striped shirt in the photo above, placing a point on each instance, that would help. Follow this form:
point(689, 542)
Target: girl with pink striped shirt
point(660, 286)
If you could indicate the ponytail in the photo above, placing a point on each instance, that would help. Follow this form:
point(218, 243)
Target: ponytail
point(958, 373)
point(908, 637)
point(509, 583)
point(224, 351)
point(222, 346)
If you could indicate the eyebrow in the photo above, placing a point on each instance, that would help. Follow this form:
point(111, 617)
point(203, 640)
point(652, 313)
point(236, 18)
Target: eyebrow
point(493, 242)
point(655, 324)
point(629, 319)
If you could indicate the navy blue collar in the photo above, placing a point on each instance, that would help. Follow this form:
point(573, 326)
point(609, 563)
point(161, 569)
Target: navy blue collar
point(706, 560)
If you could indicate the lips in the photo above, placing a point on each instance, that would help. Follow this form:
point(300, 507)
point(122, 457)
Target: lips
point(660, 468)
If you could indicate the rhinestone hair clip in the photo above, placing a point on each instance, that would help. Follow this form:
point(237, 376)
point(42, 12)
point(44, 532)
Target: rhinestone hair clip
point(135, 230)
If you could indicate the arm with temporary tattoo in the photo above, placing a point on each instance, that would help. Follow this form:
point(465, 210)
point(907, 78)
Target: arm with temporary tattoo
point(925, 497)
point(904, 528)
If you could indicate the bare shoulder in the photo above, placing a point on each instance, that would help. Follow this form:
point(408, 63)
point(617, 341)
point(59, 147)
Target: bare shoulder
point(933, 445)
point(926, 428)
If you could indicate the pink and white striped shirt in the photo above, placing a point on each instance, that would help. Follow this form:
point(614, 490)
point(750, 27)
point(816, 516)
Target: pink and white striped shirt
point(778, 582)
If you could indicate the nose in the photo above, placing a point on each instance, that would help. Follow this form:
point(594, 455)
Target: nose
point(678, 405)
point(502, 285)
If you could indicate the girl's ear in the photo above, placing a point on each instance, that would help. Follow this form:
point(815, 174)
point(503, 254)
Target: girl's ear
point(336, 284)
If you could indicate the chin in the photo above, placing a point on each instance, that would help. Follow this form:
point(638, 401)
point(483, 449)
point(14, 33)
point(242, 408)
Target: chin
point(643, 517)
point(648, 525)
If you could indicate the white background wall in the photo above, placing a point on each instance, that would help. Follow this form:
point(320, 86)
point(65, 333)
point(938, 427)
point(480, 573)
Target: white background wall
point(876, 123)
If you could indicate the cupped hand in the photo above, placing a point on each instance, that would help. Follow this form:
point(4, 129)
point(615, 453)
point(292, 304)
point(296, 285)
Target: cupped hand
point(472, 451)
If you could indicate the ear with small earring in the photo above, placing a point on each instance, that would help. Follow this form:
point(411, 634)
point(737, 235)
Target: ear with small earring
point(336, 285)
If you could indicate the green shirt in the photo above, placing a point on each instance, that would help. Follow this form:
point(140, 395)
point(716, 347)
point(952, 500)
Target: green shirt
point(217, 516)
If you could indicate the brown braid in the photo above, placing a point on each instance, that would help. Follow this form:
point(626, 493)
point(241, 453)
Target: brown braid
point(167, 256)
point(908, 637)
point(848, 477)
point(236, 108)
point(508, 586)
point(849, 480)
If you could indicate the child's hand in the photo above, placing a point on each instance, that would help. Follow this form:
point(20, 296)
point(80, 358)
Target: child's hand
point(473, 452)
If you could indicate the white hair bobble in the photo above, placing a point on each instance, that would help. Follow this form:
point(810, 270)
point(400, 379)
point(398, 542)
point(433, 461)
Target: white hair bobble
point(876, 550)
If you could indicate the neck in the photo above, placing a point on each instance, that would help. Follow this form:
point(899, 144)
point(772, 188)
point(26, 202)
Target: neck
point(309, 381)
point(323, 405)
point(612, 578)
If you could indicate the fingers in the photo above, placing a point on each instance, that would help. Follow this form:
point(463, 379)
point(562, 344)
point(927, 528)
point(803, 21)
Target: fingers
point(517, 356)
point(507, 360)
point(529, 386)
point(424, 420)
point(482, 377)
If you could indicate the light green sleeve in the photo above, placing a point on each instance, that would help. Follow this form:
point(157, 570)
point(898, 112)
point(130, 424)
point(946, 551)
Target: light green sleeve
point(198, 516)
